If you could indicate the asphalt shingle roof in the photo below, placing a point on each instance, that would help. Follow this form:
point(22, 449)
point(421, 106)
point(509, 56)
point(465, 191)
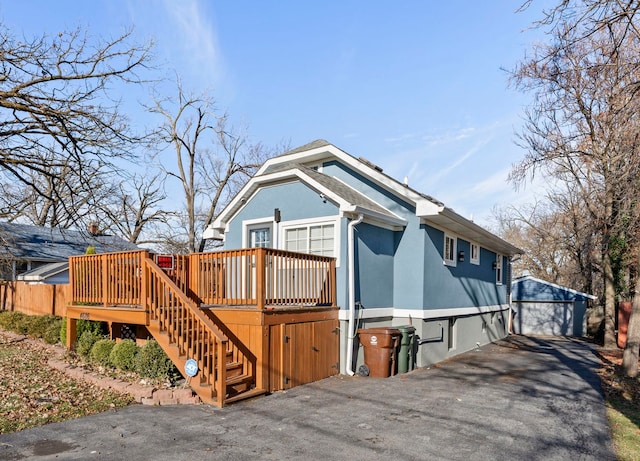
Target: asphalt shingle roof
point(23, 241)
point(347, 193)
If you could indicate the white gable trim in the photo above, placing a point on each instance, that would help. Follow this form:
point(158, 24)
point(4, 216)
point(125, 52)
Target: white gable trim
point(554, 285)
point(282, 177)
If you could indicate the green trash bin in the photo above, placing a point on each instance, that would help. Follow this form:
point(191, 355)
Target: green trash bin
point(405, 355)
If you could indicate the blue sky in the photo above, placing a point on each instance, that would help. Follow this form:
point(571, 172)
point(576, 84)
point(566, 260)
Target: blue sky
point(416, 87)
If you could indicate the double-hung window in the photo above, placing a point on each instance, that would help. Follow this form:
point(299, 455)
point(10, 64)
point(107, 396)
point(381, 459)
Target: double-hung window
point(316, 239)
point(475, 253)
point(449, 250)
point(498, 269)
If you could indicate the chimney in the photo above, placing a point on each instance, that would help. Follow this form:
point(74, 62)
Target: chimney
point(93, 228)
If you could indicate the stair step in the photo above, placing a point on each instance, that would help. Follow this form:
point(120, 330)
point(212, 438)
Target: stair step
point(239, 379)
point(245, 395)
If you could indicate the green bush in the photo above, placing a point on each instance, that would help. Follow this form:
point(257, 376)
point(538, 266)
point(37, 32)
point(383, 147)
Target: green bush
point(86, 342)
point(51, 334)
point(100, 352)
point(63, 331)
point(44, 327)
point(37, 326)
point(123, 355)
point(98, 328)
point(152, 362)
point(15, 321)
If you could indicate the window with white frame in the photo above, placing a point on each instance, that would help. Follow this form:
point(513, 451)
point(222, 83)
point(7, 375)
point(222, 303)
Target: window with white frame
point(258, 234)
point(449, 250)
point(475, 253)
point(498, 264)
point(317, 239)
point(260, 237)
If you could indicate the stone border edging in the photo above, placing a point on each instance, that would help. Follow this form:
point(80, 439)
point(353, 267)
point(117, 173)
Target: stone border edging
point(145, 395)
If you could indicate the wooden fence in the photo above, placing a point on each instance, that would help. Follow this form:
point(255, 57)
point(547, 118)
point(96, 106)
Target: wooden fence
point(35, 299)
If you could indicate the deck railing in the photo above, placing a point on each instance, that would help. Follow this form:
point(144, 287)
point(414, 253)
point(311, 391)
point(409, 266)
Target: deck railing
point(256, 277)
point(262, 277)
point(109, 279)
point(192, 332)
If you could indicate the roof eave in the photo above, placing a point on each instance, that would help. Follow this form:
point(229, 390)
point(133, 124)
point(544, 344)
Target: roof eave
point(448, 219)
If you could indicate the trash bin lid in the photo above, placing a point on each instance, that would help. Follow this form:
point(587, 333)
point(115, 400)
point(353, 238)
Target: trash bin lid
point(407, 328)
point(393, 331)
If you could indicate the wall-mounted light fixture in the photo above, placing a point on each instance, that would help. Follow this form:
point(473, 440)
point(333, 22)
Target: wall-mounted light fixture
point(276, 214)
point(494, 266)
point(324, 199)
point(461, 256)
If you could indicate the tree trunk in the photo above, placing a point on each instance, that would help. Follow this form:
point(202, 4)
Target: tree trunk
point(609, 303)
point(632, 348)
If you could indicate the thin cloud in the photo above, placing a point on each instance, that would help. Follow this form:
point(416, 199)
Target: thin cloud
point(449, 137)
point(467, 155)
point(197, 35)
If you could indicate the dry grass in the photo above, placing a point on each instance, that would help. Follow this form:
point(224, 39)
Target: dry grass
point(33, 394)
point(622, 395)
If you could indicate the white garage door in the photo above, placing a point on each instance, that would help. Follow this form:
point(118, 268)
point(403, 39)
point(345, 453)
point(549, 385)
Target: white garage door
point(544, 318)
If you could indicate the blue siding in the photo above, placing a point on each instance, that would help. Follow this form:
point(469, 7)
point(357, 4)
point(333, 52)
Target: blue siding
point(295, 201)
point(534, 290)
point(466, 284)
point(401, 269)
point(374, 253)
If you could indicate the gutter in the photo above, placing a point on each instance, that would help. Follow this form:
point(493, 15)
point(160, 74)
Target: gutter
point(352, 292)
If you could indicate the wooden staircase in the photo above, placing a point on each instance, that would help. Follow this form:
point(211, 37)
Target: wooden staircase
point(185, 332)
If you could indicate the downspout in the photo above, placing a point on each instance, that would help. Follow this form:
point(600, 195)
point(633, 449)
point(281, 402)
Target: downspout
point(351, 290)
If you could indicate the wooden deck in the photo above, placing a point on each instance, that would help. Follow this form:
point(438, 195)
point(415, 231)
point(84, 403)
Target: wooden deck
point(255, 320)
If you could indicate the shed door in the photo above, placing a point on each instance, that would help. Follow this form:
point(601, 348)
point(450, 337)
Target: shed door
point(309, 352)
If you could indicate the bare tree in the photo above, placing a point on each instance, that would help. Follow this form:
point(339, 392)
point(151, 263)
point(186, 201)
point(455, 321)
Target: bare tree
point(212, 159)
point(577, 132)
point(58, 117)
point(58, 198)
point(135, 208)
point(613, 23)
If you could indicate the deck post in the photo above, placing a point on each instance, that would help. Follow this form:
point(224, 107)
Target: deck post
point(105, 281)
point(260, 277)
point(144, 295)
point(332, 283)
point(72, 332)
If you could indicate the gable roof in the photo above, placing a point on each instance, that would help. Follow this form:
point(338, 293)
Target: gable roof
point(294, 163)
point(35, 243)
point(528, 288)
point(46, 272)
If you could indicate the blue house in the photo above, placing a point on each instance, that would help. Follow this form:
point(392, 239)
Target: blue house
point(402, 257)
point(545, 308)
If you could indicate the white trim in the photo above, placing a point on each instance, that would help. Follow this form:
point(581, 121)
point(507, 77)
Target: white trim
point(570, 290)
point(499, 269)
point(473, 260)
point(335, 220)
point(428, 209)
point(422, 314)
point(253, 223)
point(452, 262)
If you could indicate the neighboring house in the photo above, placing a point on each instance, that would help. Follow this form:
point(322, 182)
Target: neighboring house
point(402, 257)
point(544, 308)
point(39, 254)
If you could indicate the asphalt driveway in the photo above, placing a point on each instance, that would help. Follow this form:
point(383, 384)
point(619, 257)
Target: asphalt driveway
point(521, 399)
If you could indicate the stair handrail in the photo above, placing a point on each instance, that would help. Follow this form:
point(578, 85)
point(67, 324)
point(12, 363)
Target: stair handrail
point(192, 309)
